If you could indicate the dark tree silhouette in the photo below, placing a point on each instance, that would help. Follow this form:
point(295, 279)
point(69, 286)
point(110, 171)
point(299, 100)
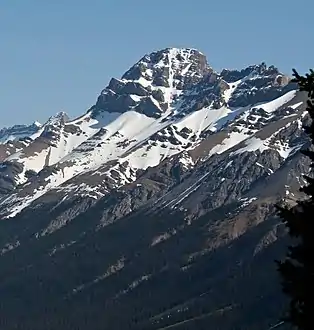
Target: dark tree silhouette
point(297, 270)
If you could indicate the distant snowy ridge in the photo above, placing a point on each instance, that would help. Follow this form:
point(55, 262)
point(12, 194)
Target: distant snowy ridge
point(18, 132)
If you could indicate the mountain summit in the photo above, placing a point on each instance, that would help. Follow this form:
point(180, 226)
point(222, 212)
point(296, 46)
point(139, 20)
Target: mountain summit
point(154, 82)
point(156, 206)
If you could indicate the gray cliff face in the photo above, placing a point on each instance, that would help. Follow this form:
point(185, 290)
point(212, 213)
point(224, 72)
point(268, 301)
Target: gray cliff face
point(171, 224)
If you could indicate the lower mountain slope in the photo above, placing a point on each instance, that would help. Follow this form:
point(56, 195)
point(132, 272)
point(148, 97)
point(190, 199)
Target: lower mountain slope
point(146, 271)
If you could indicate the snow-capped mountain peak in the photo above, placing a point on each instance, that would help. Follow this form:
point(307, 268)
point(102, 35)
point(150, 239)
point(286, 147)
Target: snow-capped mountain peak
point(170, 67)
point(169, 103)
point(154, 82)
point(59, 117)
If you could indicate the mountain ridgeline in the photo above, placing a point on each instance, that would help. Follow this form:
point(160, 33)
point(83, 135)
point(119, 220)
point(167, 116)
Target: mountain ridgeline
point(155, 208)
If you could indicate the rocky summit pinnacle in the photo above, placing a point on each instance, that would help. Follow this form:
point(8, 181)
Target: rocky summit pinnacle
point(155, 208)
point(154, 82)
point(170, 66)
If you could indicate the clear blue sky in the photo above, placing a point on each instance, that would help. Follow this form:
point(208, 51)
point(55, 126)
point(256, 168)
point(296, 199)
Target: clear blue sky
point(57, 55)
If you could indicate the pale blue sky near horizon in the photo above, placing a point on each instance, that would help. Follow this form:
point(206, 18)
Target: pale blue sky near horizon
point(58, 55)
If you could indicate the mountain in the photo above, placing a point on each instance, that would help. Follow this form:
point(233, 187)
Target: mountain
point(18, 132)
point(155, 208)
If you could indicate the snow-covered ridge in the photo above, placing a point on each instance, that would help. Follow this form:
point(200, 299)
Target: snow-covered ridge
point(17, 132)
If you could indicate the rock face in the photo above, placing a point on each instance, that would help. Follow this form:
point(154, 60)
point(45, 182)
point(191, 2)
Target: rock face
point(155, 209)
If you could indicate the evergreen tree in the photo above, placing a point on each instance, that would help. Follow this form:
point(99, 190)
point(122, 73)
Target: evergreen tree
point(297, 270)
